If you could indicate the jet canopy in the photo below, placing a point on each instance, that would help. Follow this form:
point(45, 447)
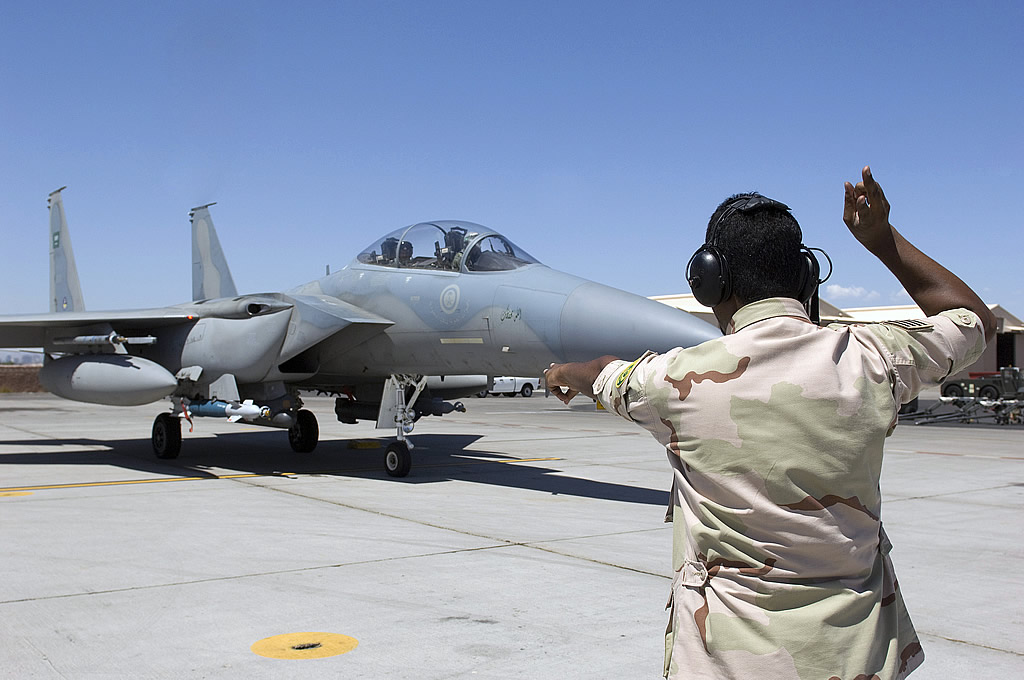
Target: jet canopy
point(446, 245)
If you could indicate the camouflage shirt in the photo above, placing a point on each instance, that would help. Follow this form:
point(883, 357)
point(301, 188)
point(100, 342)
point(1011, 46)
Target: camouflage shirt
point(774, 433)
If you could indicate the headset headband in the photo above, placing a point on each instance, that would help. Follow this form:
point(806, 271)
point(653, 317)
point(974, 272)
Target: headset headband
point(743, 204)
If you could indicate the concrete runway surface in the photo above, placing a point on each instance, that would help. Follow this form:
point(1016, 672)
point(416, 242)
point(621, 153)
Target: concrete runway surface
point(527, 542)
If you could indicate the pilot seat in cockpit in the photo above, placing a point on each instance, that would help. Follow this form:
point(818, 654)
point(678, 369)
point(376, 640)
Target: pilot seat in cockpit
point(404, 254)
point(388, 250)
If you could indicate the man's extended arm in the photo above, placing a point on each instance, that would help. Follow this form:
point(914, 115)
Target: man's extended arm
point(578, 378)
point(933, 287)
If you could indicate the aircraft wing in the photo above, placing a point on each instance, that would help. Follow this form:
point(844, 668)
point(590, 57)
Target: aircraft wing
point(314, 318)
point(34, 330)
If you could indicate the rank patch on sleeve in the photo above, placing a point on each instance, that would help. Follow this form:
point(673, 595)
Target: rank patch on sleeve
point(912, 325)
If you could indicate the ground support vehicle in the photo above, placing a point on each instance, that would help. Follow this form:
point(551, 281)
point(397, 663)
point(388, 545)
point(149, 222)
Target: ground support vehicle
point(510, 386)
point(1006, 383)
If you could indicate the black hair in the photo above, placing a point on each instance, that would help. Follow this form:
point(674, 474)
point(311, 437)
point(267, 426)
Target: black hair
point(762, 247)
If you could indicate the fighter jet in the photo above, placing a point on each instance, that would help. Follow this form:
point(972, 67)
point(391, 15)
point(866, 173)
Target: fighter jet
point(422, 315)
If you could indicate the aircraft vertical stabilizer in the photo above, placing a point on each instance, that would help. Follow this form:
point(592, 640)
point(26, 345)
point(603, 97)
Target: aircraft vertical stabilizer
point(211, 277)
point(65, 290)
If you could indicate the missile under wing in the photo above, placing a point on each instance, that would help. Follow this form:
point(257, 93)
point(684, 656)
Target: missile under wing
point(422, 315)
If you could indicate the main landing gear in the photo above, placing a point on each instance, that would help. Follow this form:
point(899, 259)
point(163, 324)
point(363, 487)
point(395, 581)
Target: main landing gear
point(305, 433)
point(397, 409)
point(303, 430)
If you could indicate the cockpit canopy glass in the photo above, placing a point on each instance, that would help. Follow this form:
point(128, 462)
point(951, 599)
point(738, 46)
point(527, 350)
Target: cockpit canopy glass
point(448, 246)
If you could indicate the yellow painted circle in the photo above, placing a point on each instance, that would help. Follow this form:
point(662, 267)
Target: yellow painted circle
point(304, 645)
point(16, 493)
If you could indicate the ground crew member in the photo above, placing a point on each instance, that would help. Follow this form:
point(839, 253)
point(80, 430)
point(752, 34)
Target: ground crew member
point(774, 433)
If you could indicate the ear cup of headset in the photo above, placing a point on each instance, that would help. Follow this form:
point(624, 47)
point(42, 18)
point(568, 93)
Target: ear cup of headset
point(709, 279)
point(708, 276)
point(809, 273)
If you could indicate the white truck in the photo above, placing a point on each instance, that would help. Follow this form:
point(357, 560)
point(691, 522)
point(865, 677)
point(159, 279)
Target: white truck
point(512, 385)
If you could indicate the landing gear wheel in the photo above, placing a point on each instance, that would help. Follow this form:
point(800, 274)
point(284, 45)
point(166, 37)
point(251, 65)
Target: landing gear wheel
point(305, 433)
point(952, 391)
point(397, 459)
point(166, 436)
point(527, 390)
point(988, 392)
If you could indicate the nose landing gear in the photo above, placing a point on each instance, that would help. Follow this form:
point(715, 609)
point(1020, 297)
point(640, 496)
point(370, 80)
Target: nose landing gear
point(397, 405)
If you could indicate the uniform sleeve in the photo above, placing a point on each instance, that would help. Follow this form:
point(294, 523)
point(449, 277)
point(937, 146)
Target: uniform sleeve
point(621, 388)
point(924, 353)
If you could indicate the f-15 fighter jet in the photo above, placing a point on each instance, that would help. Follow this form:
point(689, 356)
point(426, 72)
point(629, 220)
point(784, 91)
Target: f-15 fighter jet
point(422, 315)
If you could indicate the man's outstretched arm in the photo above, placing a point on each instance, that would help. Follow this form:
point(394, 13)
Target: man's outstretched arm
point(933, 287)
point(577, 378)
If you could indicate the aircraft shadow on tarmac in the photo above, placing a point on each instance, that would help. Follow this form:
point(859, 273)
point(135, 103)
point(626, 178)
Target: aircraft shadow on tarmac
point(436, 458)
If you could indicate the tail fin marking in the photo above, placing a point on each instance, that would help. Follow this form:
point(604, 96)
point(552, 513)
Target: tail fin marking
point(65, 289)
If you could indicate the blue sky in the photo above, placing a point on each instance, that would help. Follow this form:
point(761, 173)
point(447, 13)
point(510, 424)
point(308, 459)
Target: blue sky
point(598, 136)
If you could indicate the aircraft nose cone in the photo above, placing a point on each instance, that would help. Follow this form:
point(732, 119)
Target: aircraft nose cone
point(598, 320)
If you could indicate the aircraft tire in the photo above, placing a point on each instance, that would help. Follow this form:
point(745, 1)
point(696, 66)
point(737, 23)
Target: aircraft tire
point(988, 392)
point(952, 391)
point(305, 433)
point(397, 459)
point(527, 390)
point(166, 436)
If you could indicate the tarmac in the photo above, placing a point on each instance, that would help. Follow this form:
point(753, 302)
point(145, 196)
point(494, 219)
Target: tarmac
point(527, 542)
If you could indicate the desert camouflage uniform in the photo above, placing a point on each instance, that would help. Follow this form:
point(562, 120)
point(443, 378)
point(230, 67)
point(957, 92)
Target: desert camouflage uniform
point(775, 434)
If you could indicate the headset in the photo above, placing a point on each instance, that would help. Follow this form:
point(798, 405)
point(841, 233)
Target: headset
point(708, 270)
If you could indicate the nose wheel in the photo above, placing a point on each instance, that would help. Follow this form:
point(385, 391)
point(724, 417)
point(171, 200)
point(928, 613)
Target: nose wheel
point(397, 459)
point(400, 393)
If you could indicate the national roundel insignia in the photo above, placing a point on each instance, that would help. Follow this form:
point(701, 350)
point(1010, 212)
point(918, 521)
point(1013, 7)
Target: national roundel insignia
point(450, 299)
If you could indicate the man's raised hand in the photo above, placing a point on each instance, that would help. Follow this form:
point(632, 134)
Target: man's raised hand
point(866, 213)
